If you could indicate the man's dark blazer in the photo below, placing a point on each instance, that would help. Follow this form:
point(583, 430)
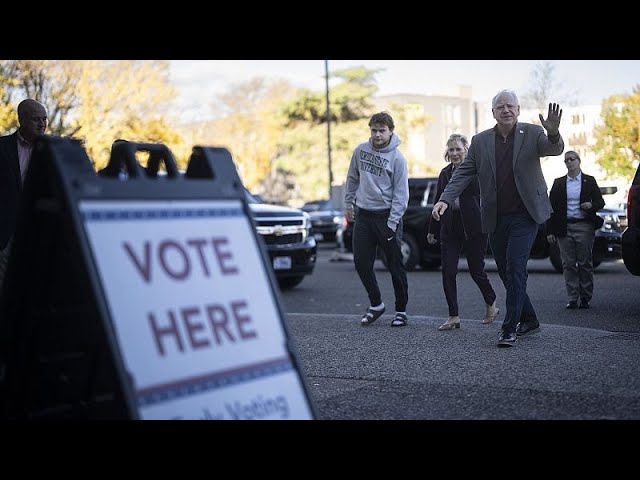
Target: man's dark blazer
point(469, 208)
point(589, 192)
point(10, 186)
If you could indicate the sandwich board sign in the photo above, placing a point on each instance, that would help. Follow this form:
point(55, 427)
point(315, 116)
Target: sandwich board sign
point(187, 305)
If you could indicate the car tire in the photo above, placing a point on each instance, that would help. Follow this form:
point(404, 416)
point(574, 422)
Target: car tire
point(286, 283)
point(597, 255)
point(631, 250)
point(409, 249)
point(596, 261)
point(432, 264)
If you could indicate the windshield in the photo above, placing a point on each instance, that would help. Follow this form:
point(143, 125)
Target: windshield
point(317, 206)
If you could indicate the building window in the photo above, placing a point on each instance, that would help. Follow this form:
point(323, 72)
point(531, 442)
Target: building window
point(578, 119)
point(453, 117)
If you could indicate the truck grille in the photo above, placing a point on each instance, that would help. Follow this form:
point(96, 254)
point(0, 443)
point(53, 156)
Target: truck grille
point(283, 239)
point(277, 231)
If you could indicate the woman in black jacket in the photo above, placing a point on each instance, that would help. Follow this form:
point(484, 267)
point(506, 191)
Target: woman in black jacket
point(458, 228)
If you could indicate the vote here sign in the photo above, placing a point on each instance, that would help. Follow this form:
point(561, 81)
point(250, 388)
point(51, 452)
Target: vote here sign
point(193, 309)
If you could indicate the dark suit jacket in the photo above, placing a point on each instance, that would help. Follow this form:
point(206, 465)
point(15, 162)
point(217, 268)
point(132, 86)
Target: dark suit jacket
point(10, 187)
point(469, 208)
point(589, 192)
point(529, 144)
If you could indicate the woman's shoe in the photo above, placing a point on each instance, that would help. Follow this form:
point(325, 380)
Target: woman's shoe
point(450, 324)
point(492, 313)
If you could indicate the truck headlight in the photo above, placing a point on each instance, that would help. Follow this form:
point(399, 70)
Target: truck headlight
point(307, 224)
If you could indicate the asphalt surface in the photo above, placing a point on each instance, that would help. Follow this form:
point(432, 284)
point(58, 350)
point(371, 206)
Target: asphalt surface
point(416, 372)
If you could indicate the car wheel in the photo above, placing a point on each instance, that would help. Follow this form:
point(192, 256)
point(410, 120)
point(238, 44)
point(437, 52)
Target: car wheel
point(286, 283)
point(432, 264)
point(409, 249)
point(555, 258)
point(597, 256)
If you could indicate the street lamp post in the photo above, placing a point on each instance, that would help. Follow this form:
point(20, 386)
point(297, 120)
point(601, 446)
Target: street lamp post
point(326, 74)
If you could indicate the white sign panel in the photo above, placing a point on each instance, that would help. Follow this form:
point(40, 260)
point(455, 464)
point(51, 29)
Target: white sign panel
point(195, 318)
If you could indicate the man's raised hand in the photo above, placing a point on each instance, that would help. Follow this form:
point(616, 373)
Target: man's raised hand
point(552, 122)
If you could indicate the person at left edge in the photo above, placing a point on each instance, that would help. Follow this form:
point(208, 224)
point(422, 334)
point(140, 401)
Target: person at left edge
point(377, 194)
point(15, 155)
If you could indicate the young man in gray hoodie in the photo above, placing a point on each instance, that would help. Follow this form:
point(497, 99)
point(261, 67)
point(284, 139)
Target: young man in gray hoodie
point(376, 197)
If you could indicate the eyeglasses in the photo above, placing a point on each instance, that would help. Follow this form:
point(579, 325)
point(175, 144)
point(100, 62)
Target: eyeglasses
point(570, 159)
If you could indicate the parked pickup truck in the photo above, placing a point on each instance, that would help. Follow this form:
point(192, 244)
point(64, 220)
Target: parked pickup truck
point(416, 251)
point(287, 234)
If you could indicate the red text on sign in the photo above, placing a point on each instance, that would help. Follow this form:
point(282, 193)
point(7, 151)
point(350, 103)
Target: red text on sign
point(177, 259)
point(194, 328)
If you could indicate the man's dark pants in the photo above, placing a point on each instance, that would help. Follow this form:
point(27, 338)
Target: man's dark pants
point(511, 244)
point(370, 231)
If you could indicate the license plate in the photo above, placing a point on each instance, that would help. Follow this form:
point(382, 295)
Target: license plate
point(319, 237)
point(282, 263)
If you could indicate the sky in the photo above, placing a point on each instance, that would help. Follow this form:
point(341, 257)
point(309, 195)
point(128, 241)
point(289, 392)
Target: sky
point(199, 81)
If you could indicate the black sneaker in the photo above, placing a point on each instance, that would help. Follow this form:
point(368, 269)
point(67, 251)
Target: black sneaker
point(584, 303)
point(507, 339)
point(572, 304)
point(527, 328)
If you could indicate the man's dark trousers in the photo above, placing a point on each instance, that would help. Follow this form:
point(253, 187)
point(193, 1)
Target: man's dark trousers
point(370, 231)
point(511, 244)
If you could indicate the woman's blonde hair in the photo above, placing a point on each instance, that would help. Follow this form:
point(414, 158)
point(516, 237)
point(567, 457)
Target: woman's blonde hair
point(453, 138)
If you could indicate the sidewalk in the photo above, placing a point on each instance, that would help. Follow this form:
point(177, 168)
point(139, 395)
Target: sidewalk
point(418, 372)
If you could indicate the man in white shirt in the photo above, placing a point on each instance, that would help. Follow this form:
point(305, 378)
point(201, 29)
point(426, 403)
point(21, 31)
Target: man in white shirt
point(575, 199)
